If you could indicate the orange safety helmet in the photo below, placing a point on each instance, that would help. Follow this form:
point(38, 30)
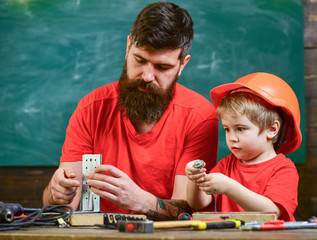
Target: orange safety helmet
point(276, 92)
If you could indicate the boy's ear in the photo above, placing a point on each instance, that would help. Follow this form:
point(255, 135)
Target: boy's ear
point(273, 129)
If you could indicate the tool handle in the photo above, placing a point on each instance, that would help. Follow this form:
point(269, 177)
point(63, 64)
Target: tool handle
point(16, 208)
point(216, 224)
point(6, 215)
point(173, 224)
point(224, 224)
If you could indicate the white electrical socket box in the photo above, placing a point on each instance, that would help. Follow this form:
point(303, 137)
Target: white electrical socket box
point(90, 202)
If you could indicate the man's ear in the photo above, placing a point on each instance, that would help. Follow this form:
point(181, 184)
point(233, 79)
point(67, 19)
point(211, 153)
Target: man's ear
point(185, 61)
point(273, 129)
point(128, 47)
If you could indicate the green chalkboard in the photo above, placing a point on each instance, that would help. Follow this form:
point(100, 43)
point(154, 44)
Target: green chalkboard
point(52, 53)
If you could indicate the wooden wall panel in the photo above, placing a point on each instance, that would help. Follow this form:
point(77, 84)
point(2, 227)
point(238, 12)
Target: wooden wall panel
point(308, 172)
point(310, 18)
point(24, 185)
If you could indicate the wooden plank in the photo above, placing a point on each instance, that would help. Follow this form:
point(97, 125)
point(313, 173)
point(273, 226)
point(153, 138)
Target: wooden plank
point(86, 219)
point(311, 159)
point(311, 62)
point(73, 233)
point(260, 217)
point(307, 203)
point(310, 18)
point(311, 122)
point(311, 87)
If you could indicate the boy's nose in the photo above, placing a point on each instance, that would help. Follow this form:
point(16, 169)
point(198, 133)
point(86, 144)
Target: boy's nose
point(233, 137)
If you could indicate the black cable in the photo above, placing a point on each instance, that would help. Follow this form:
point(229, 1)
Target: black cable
point(46, 216)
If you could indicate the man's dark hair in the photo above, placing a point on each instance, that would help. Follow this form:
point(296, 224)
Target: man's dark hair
point(163, 25)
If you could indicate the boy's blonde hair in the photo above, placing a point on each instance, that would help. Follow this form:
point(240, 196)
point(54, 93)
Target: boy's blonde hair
point(256, 109)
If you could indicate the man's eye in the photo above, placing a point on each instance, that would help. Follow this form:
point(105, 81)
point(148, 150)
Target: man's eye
point(139, 60)
point(163, 67)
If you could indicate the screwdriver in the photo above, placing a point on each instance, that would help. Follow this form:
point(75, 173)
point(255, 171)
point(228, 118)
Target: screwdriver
point(230, 223)
point(17, 209)
point(280, 225)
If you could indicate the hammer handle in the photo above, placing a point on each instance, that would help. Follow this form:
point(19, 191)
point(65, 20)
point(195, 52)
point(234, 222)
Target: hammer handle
point(174, 224)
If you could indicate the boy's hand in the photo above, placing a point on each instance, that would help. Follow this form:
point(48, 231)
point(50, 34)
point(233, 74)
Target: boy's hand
point(195, 174)
point(217, 181)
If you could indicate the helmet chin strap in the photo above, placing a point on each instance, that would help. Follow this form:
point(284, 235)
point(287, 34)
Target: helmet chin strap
point(287, 123)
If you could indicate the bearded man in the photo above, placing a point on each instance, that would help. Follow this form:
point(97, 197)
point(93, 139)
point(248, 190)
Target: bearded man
point(146, 125)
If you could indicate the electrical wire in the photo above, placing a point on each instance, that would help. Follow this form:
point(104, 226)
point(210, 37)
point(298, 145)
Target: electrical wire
point(46, 216)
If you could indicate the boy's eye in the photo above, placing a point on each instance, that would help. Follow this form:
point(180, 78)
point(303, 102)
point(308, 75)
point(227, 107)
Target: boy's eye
point(226, 129)
point(240, 129)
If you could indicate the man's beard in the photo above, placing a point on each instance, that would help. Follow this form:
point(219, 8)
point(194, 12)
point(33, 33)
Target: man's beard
point(143, 107)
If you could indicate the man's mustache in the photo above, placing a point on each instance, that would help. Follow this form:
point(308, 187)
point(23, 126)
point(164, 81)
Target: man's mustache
point(145, 85)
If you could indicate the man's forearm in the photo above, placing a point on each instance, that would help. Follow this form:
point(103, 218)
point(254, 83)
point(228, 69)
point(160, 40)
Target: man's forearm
point(47, 197)
point(168, 209)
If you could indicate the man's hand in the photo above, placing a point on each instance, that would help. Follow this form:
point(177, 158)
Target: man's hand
point(63, 186)
point(117, 187)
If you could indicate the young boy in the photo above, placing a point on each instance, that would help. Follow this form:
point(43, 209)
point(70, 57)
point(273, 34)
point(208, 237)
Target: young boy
point(261, 117)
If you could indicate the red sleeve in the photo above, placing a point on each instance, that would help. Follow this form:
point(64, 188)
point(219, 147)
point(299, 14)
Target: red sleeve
point(282, 190)
point(78, 140)
point(201, 143)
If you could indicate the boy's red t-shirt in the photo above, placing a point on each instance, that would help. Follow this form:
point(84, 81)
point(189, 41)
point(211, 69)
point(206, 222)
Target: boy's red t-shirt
point(276, 179)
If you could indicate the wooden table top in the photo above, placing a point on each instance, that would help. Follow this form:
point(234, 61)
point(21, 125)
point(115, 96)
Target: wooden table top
point(93, 233)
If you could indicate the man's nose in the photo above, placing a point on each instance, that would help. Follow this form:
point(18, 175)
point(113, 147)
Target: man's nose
point(148, 73)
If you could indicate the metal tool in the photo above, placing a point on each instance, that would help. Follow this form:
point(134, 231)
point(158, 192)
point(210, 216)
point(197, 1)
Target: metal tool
point(279, 225)
point(6, 215)
point(114, 218)
point(199, 164)
point(215, 200)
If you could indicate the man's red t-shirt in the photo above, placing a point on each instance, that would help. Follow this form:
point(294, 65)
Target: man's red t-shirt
point(188, 130)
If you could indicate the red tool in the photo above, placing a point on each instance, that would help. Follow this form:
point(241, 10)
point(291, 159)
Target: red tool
point(280, 225)
point(145, 226)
